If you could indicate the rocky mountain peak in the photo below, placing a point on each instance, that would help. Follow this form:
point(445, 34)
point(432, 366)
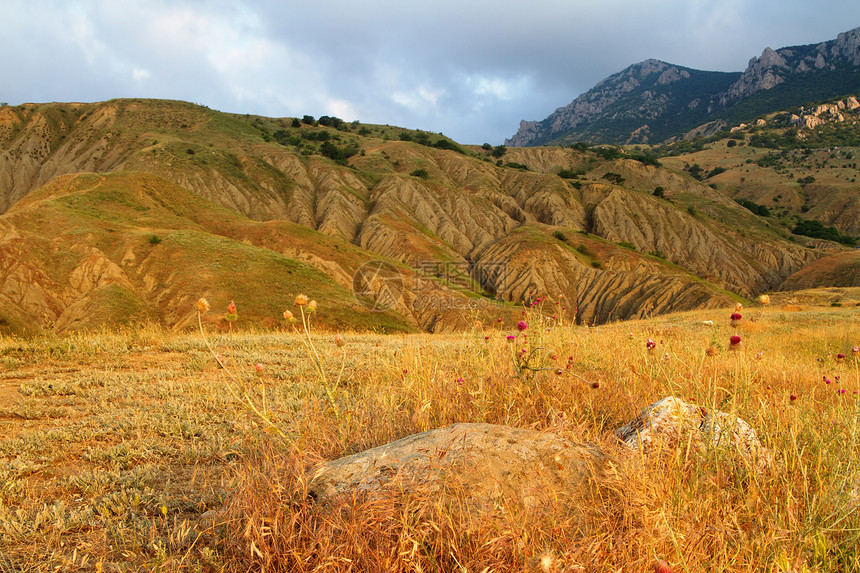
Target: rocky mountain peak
point(654, 100)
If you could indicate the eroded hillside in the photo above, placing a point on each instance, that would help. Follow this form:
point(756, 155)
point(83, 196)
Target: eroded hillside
point(497, 228)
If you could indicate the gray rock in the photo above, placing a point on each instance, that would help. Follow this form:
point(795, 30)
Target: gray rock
point(671, 422)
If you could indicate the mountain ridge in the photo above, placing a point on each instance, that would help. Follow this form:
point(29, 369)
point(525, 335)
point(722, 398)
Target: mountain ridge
point(654, 101)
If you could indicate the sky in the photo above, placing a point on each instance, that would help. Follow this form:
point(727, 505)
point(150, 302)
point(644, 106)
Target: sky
point(471, 69)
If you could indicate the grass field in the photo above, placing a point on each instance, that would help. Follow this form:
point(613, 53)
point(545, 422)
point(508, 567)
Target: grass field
point(137, 451)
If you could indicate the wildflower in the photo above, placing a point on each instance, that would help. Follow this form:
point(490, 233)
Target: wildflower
point(258, 367)
point(759, 355)
point(339, 341)
point(855, 351)
point(559, 371)
point(827, 380)
point(486, 338)
point(522, 325)
point(499, 320)
point(739, 307)
point(735, 342)
point(735, 318)
point(511, 338)
point(595, 385)
point(662, 567)
point(460, 380)
point(764, 300)
point(793, 397)
point(301, 300)
point(231, 311)
point(312, 306)
point(202, 306)
point(840, 357)
point(841, 391)
point(650, 345)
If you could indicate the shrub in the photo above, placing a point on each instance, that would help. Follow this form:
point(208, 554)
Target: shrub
point(569, 174)
point(614, 178)
point(422, 173)
point(817, 230)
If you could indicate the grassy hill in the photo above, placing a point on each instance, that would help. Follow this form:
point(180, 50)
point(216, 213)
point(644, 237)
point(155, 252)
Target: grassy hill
point(161, 202)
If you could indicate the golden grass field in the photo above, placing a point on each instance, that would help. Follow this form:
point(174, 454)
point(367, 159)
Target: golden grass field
point(136, 451)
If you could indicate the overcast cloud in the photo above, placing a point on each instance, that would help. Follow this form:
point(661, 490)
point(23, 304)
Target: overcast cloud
point(471, 69)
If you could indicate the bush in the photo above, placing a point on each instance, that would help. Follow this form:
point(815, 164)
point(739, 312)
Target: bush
point(515, 165)
point(659, 192)
point(569, 174)
point(560, 236)
point(499, 151)
point(817, 230)
point(760, 210)
point(422, 173)
point(614, 178)
point(338, 153)
point(328, 121)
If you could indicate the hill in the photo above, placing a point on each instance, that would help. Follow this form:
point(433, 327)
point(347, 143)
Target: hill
point(131, 209)
point(653, 101)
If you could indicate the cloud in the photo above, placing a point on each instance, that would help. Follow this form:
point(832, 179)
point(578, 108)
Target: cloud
point(469, 69)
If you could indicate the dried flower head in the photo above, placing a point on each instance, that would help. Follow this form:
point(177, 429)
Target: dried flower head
point(764, 300)
point(312, 306)
point(289, 316)
point(202, 306)
point(339, 341)
point(301, 300)
point(231, 311)
point(855, 351)
point(739, 307)
point(712, 350)
point(258, 367)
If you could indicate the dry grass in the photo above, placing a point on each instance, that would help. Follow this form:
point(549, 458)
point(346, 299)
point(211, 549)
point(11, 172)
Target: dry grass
point(135, 451)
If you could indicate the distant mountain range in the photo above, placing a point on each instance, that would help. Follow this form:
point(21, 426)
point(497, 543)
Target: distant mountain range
point(653, 101)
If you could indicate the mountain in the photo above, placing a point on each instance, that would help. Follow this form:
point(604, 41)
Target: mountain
point(655, 101)
point(127, 211)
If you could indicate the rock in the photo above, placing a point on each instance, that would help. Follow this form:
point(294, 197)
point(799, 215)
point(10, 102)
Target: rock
point(671, 422)
point(491, 462)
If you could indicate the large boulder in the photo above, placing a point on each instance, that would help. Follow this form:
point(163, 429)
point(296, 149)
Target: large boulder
point(492, 463)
